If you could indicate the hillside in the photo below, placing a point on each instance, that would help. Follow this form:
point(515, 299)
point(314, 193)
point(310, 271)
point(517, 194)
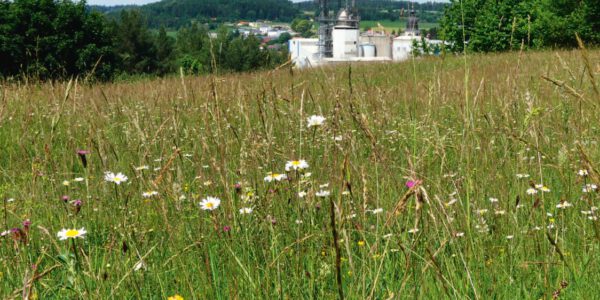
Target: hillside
point(176, 13)
point(437, 178)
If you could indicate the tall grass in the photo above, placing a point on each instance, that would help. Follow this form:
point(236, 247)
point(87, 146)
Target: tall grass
point(530, 113)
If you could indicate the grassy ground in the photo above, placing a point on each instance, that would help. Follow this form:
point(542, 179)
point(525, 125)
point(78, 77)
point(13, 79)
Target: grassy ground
point(466, 229)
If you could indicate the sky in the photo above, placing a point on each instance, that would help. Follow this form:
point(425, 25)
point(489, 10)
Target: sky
point(141, 2)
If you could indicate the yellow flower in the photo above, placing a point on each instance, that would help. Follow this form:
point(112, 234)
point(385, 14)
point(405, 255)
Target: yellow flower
point(176, 297)
point(361, 243)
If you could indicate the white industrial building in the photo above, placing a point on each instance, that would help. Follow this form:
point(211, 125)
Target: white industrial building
point(340, 40)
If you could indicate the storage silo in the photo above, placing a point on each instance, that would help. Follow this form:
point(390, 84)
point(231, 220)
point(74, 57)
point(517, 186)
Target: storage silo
point(345, 36)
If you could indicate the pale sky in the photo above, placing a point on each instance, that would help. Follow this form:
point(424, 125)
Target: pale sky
point(141, 2)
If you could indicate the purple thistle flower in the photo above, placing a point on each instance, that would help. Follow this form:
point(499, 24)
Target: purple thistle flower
point(26, 224)
point(82, 154)
point(226, 228)
point(64, 198)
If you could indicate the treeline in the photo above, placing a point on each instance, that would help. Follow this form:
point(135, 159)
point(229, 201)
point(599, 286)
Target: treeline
point(178, 13)
point(50, 39)
point(385, 9)
point(491, 25)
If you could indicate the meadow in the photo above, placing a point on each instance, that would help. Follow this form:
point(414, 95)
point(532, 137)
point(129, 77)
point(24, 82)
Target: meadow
point(434, 178)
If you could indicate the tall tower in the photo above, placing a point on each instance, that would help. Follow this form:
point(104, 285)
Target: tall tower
point(326, 22)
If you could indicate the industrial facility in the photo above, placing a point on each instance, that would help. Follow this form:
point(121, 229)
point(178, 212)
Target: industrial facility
point(340, 40)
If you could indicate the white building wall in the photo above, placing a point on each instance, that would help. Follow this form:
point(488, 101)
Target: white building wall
point(304, 52)
point(401, 48)
point(345, 42)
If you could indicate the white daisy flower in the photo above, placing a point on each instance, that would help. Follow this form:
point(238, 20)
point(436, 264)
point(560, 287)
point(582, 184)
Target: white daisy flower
point(583, 172)
point(116, 178)
point(66, 183)
point(71, 233)
point(315, 120)
point(246, 210)
point(564, 205)
point(493, 200)
point(275, 177)
point(210, 203)
point(322, 193)
point(149, 194)
point(531, 191)
point(302, 194)
point(590, 187)
point(296, 165)
point(79, 179)
point(377, 211)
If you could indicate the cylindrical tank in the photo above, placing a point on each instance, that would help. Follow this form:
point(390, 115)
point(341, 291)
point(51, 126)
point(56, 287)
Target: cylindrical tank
point(368, 50)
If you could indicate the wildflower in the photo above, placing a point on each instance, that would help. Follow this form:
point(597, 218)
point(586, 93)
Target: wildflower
point(564, 205)
point(531, 191)
point(459, 234)
point(176, 297)
point(413, 230)
point(323, 186)
point(64, 198)
point(481, 211)
point(226, 228)
point(26, 224)
point(521, 176)
point(82, 155)
point(583, 173)
point(210, 203)
point(299, 222)
point(275, 177)
point(361, 243)
point(141, 168)
point(71, 233)
point(346, 193)
point(315, 120)
point(79, 179)
point(66, 183)
point(296, 165)
point(499, 212)
point(588, 188)
point(246, 210)
point(149, 194)
point(544, 189)
point(116, 178)
point(411, 183)
point(493, 200)
point(510, 237)
point(322, 193)
point(377, 211)
point(302, 194)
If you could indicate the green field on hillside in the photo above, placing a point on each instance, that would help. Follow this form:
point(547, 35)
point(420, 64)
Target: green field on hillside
point(435, 178)
point(394, 25)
